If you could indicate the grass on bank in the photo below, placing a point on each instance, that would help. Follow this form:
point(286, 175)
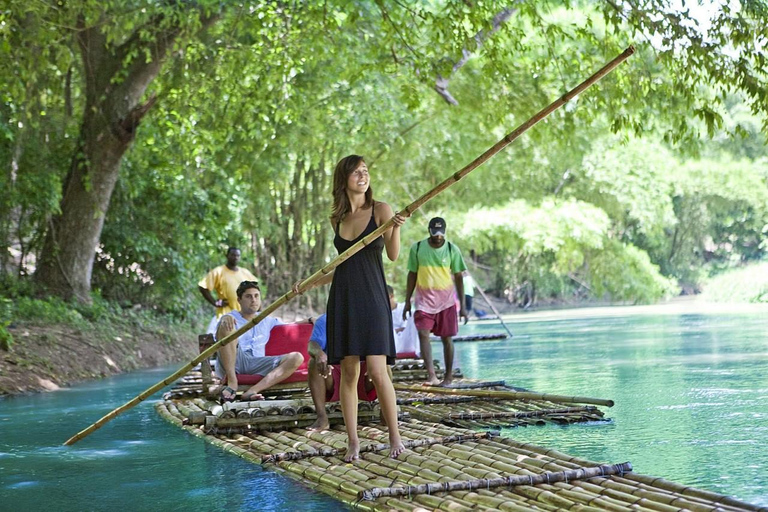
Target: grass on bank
point(98, 319)
point(743, 285)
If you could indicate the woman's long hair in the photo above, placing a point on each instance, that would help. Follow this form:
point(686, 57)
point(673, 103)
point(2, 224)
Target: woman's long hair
point(344, 168)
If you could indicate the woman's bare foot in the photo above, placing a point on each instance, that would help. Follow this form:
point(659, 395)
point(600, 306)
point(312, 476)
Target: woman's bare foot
point(353, 452)
point(396, 449)
point(320, 424)
point(431, 382)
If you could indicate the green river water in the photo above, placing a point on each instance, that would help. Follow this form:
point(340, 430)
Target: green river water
point(690, 386)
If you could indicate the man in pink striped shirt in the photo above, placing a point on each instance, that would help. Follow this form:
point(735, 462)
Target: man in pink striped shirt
point(435, 268)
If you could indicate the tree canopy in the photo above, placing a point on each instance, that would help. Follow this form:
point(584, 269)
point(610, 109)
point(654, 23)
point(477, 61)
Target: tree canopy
point(139, 139)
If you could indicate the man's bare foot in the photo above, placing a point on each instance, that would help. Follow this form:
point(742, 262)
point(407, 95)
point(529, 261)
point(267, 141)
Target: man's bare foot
point(446, 383)
point(434, 381)
point(353, 452)
point(320, 424)
point(396, 449)
point(251, 397)
point(227, 394)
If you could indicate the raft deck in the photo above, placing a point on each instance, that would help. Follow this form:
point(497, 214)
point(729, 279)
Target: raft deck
point(448, 464)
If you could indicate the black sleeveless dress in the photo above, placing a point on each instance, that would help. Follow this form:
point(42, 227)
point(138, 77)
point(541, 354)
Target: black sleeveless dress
point(359, 319)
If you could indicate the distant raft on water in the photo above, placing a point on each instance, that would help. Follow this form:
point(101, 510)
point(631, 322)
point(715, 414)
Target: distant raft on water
point(477, 337)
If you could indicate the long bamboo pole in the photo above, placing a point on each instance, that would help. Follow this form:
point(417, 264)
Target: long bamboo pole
point(508, 481)
point(341, 258)
point(507, 395)
point(493, 308)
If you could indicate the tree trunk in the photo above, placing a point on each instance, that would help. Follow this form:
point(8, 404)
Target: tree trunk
point(70, 244)
point(113, 111)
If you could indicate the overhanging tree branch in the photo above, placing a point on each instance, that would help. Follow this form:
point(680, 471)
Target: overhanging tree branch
point(441, 83)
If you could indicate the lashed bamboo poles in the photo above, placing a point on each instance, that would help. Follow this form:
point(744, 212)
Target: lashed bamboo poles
point(331, 452)
point(341, 258)
point(425, 400)
point(507, 481)
point(488, 458)
point(508, 395)
point(475, 337)
point(475, 385)
point(516, 414)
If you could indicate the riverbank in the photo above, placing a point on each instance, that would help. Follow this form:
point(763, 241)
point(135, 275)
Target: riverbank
point(46, 356)
point(688, 304)
point(49, 357)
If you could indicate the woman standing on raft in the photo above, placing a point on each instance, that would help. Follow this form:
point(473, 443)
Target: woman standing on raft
point(359, 318)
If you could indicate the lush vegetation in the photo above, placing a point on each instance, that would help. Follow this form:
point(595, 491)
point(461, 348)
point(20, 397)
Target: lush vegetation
point(748, 284)
point(139, 139)
point(99, 319)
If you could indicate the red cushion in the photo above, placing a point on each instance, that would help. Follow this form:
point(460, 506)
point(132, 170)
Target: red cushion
point(284, 339)
point(289, 338)
point(407, 355)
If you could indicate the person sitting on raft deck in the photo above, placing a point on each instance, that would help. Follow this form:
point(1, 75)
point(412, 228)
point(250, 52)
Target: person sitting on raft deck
point(245, 355)
point(325, 380)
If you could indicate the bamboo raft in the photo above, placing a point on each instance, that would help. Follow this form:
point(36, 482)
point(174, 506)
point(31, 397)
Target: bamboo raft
point(456, 458)
point(477, 337)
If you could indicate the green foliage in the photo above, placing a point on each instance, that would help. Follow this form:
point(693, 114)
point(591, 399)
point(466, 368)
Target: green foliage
point(253, 113)
point(560, 248)
point(748, 284)
point(632, 183)
point(6, 338)
point(626, 273)
point(50, 310)
point(722, 212)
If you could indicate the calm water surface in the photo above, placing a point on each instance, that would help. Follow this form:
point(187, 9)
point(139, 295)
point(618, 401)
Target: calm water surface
point(138, 461)
point(691, 393)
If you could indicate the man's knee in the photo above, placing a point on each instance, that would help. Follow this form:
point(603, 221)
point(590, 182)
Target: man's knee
point(293, 359)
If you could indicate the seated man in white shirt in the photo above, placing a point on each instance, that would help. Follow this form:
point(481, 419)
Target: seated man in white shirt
point(245, 355)
point(406, 334)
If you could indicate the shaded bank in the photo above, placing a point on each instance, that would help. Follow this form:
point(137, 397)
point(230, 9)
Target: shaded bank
point(47, 357)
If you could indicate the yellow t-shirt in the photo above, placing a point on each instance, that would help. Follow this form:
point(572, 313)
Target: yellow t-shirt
point(224, 282)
